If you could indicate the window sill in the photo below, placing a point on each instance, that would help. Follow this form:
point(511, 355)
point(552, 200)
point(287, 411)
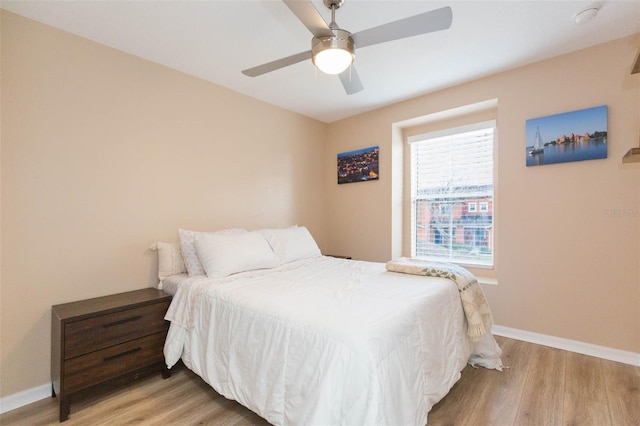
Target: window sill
point(487, 280)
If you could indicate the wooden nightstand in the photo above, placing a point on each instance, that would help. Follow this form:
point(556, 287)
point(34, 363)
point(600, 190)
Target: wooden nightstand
point(106, 342)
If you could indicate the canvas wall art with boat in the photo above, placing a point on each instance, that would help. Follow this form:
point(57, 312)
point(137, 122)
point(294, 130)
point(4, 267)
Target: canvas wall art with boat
point(571, 136)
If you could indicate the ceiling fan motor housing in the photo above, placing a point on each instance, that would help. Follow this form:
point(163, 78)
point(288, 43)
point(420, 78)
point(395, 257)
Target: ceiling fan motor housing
point(341, 39)
point(330, 4)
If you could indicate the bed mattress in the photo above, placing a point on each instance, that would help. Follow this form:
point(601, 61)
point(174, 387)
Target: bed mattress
point(170, 284)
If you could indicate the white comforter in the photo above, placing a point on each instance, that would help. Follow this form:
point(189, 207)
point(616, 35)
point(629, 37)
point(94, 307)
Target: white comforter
point(326, 341)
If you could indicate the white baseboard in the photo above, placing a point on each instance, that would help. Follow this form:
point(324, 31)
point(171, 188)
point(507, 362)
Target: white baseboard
point(597, 351)
point(26, 397)
point(37, 393)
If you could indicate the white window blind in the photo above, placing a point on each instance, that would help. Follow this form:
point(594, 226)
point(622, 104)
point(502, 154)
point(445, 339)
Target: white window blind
point(452, 170)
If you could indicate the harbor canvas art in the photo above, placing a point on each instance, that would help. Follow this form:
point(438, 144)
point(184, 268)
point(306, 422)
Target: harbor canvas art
point(570, 136)
point(358, 166)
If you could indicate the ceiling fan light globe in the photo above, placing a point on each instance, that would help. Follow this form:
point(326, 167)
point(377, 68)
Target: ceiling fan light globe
point(333, 54)
point(333, 61)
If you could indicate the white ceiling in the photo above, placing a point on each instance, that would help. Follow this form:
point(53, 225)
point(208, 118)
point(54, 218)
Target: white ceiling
point(215, 40)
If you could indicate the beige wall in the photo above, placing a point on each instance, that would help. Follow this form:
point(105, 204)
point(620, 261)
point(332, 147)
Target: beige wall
point(103, 154)
point(564, 267)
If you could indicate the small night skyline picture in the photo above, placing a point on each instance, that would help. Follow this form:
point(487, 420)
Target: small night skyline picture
point(358, 166)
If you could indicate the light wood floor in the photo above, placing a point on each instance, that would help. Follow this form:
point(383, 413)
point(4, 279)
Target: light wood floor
point(543, 386)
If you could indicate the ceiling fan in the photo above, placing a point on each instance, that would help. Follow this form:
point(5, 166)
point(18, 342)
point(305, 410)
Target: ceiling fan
point(333, 48)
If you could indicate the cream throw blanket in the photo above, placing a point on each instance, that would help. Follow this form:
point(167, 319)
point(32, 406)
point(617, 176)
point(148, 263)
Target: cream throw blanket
point(474, 304)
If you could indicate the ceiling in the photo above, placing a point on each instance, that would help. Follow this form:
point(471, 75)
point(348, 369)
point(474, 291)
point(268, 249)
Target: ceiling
point(215, 40)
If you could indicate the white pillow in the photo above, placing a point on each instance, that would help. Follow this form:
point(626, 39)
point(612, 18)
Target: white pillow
point(188, 247)
point(170, 260)
point(226, 254)
point(291, 244)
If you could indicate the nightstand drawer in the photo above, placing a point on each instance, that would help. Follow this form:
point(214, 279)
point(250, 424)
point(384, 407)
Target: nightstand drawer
point(107, 330)
point(84, 371)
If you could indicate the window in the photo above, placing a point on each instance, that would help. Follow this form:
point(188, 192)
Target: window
point(451, 176)
point(445, 209)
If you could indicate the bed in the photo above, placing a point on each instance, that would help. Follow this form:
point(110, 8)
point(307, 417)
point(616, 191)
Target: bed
point(313, 339)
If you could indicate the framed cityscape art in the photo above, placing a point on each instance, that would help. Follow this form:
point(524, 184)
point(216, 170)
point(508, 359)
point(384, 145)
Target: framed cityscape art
point(360, 165)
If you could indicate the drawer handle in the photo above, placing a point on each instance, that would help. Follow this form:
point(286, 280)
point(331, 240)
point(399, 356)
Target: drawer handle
point(129, 352)
point(122, 321)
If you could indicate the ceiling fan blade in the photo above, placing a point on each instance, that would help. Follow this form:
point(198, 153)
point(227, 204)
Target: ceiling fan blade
point(435, 20)
point(309, 16)
point(277, 64)
point(351, 80)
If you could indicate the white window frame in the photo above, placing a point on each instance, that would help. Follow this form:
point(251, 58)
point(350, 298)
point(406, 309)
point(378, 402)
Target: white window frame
point(472, 207)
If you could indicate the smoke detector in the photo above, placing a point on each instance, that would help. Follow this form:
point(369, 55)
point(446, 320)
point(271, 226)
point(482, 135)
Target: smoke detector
point(585, 15)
